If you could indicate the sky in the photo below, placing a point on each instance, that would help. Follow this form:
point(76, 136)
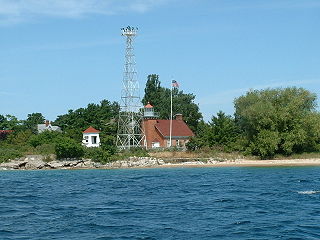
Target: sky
point(57, 55)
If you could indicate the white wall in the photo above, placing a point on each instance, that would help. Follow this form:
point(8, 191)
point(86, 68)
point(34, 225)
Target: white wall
point(88, 139)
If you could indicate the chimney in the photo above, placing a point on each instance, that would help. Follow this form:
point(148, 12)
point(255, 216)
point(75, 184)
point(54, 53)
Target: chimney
point(179, 117)
point(47, 122)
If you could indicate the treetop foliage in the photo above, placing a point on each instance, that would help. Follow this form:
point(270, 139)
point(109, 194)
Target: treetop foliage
point(100, 116)
point(278, 120)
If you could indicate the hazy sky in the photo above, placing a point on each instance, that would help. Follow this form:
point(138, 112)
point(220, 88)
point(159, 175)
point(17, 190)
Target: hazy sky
point(57, 55)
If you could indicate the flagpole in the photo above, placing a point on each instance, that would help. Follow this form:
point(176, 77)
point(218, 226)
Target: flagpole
point(171, 117)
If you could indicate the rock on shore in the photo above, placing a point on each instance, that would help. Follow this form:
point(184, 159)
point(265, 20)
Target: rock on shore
point(33, 162)
point(135, 162)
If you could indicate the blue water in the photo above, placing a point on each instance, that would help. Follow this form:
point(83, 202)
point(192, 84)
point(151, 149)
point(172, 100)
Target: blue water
point(177, 203)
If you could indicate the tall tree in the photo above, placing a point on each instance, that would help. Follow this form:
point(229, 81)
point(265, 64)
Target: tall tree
point(8, 122)
point(101, 116)
point(32, 120)
point(183, 103)
point(223, 130)
point(279, 121)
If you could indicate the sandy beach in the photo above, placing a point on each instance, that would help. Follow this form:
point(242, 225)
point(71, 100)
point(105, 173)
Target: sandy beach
point(247, 163)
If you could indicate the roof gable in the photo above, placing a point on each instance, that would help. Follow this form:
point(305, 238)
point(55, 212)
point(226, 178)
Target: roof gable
point(179, 128)
point(91, 130)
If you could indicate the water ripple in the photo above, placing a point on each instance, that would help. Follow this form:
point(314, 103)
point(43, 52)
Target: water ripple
point(206, 203)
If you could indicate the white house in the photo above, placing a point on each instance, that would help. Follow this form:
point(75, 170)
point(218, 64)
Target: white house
point(47, 127)
point(91, 137)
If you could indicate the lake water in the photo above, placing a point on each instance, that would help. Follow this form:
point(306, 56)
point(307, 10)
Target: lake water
point(177, 203)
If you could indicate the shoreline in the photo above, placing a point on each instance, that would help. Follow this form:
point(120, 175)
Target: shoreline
point(36, 162)
point(253, 163)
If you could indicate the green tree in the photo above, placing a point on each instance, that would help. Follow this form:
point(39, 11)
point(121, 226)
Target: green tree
point(46, 137)
point(19, 138)
point(33, 120)
point(101, 116)
point(8, 122)
point(224, 131)
point(278, 121)
point(183, 103)
point(202, 137)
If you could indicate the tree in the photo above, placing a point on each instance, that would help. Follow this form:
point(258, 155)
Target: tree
point(2, 122)
point(201, 139)
point(8, 122)
point(183, 103)
point(223, 130)
point(278, 121)
point(33, 120)
point(46, 137)
point(100, 116)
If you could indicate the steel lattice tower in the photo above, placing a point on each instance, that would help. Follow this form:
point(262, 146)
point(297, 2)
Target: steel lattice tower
point(130, 133)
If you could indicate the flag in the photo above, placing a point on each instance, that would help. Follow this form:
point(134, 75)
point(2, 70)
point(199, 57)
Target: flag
point(175, 84)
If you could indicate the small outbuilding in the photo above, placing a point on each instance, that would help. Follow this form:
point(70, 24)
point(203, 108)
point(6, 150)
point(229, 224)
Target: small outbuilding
point(91, 137)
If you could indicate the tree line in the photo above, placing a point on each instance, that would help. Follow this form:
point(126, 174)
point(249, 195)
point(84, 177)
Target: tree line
point(265, 123)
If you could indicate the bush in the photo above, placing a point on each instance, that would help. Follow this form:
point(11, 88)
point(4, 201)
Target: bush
point(19, 138)
point(46, 137)
point(46, 149)
point(97, 154)
point(68, 148)
point(138, 152)
point(195, 143)
point(6, 154)
point(108, 144)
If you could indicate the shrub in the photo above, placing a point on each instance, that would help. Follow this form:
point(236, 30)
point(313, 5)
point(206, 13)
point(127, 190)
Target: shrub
point(138, 152)
point(6, 154)
point(195, 143)
point(19, 138)
point(68, 148)
point(46, 149)
point(108, 144)
point(97, 154)
point(46, 137)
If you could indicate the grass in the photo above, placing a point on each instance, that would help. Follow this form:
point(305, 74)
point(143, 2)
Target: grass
point(299, 156)
point(199, 154)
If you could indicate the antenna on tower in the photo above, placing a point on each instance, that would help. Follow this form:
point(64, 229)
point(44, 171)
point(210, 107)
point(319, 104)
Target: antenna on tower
point(130, 132)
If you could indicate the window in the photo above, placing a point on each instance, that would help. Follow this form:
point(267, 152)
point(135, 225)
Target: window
point(94, 139)
point(155, 145)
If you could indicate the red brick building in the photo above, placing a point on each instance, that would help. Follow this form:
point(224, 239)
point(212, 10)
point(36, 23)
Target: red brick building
point(157, 131)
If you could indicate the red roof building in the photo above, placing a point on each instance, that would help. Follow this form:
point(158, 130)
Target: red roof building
point(91, 137)
point(157, 131)
point(91, 130)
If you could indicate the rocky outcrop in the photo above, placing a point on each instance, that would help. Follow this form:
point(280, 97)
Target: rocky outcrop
point(33, 162)
point(135, 162)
